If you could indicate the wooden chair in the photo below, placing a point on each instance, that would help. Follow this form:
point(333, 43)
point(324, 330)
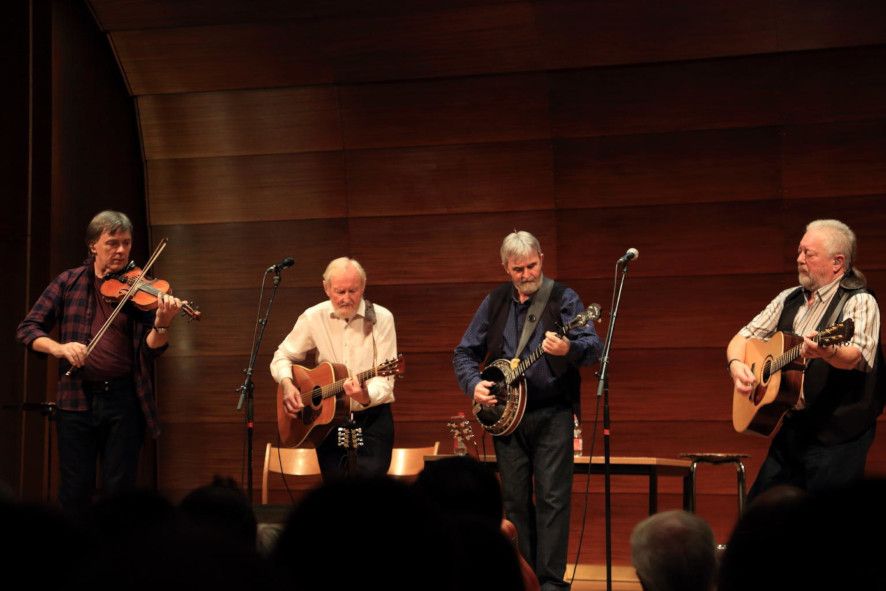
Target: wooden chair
point(409, 461)
point(293, 461)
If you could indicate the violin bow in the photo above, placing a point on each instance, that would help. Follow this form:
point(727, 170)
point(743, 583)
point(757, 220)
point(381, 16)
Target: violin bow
point(126, 297)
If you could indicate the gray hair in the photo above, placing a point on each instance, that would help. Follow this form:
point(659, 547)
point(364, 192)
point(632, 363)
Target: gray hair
point(518, 244)
point(674, 551)
point(342, 263)
point(838, 238)
point(106, 221)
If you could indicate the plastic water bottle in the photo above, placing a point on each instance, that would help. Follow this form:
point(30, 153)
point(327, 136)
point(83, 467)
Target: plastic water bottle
point(458, 441)
point(576, 436)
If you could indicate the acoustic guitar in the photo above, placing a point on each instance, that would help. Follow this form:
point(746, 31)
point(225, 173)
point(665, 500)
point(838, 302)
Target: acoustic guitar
point(322, 392)
point(778, 372)
point(510, 384)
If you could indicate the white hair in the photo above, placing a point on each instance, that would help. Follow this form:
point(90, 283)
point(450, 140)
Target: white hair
point(342, 263)
point(838, 238)
point(517, 245)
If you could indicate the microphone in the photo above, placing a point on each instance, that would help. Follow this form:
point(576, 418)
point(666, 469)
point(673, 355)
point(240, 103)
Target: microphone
point(287, 262)
point(630, 255)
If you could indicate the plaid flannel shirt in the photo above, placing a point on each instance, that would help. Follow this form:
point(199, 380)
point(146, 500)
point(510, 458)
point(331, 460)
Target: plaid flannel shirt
point(67, 303)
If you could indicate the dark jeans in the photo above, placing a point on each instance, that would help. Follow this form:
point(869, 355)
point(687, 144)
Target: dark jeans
point(373, 457)
point(537, 459)
point(112, 432)
point(797, 458)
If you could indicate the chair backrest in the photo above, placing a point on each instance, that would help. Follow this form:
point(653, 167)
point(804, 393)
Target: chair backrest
point(409, 461)
point(294, 461)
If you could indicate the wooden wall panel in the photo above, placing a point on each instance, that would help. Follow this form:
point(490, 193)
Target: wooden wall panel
point(581, 34)
point(240, 123)
point(434, 249)
point(143, 14)
point(229, 318)
point(446, 111)
point(323, 51)
point(833, 85)
point(821, 23)
point(248, 188)
point(428, 321)
point(674, 313)
point(200, 59)
point(668, 168)
point(492, 177)
point(235, 255)
point(463, 41)
point(642, 98)
point(835, 159)
point(673, 240)
point(198, 389)
point(513, 37)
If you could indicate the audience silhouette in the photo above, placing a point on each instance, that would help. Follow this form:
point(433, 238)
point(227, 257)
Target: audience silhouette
point(674, 551)
point(789, 539)
point(373, 533)
point(442, 533)
point(468, 495)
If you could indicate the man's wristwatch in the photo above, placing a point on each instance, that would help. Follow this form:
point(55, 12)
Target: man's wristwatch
point(161, 329)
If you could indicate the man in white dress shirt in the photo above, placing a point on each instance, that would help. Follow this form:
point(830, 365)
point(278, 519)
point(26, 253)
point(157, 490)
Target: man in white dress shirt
point(360, 335)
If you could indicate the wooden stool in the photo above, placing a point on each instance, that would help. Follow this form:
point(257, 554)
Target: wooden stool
point(717, 458)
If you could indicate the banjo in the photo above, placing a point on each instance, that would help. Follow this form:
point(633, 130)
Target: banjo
point(510, 384)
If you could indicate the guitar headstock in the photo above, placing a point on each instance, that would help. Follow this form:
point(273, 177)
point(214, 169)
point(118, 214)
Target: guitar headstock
point(392, 367)
point(350, 437)
point(460, 428)
point(592, 314)
point(837, 334)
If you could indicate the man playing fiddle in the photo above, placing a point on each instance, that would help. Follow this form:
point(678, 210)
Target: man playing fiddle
point(108, 399)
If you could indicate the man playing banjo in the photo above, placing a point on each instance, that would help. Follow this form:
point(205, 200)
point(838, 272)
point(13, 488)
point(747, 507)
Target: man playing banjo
point(513, 320)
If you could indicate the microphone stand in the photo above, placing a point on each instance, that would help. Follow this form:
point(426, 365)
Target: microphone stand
point(246, 390)
point(603, 390)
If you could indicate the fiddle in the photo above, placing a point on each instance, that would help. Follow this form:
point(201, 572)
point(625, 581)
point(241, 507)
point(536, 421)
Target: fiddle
point(118, 285)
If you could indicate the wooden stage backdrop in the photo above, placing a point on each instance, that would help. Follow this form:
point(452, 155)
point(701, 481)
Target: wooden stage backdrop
point(414, 136)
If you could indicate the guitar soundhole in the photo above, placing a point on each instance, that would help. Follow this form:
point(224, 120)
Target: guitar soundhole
point(316, 396)
point(766, 371)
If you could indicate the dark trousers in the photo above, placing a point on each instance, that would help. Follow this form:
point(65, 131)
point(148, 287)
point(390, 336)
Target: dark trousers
point(537, 459)
point(796, 458)
point(373, 457)
point(110, 432)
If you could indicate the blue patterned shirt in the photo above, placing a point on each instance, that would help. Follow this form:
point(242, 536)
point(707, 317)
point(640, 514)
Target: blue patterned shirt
point(585, 346)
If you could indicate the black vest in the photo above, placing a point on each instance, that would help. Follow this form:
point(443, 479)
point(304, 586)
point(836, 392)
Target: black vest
point(568, 378)
point(841, 404)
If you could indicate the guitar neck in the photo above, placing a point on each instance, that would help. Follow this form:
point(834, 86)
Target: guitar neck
point(526, 363)
point(337, 387)
point(532, 358)
point(790, 355)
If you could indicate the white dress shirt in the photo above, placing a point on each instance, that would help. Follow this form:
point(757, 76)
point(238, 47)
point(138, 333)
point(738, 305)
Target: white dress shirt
point(358, 343)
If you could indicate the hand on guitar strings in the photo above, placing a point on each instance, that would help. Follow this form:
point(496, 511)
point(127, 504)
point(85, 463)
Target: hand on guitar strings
point(811, 350)
point(292, 402)
point(355, 391)
point(483, 394)
point(742, 377)
point(555, 345)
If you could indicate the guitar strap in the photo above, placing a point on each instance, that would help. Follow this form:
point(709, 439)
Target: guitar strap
point(838, 308)
point(534, 313)
point(369, 327)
